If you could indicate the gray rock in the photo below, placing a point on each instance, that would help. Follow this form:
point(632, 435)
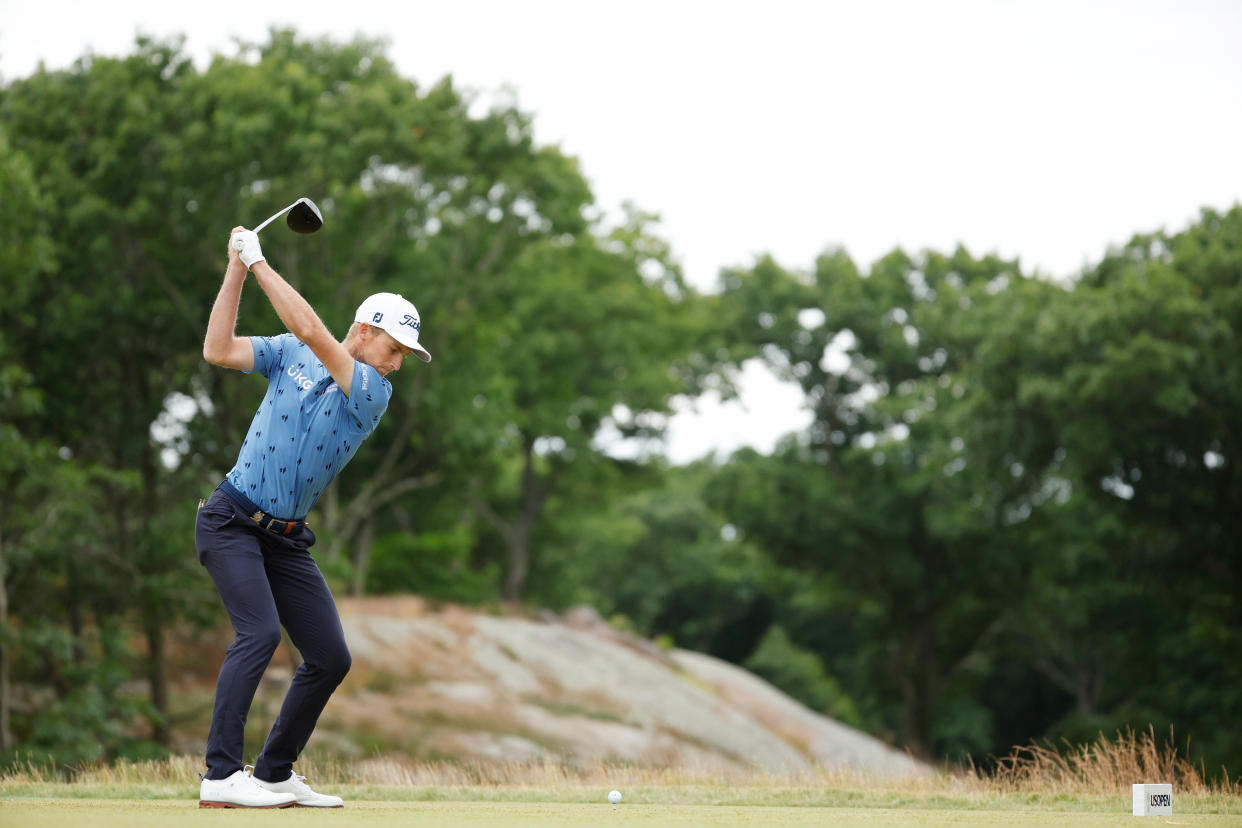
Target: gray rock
point(577, 690)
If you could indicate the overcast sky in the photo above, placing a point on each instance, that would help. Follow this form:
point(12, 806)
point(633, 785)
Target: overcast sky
point(1040, 130)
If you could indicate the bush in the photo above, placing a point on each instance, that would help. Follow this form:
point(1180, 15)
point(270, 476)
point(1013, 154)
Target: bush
point(801, 674)
point(436, 565)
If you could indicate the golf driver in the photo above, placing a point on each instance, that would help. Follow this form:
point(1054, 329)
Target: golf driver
point(304, 217)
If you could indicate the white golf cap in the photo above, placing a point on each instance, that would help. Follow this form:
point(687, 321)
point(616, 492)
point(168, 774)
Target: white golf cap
point(393, 313)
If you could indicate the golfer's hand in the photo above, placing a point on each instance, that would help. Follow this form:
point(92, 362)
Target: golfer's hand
point(246, 243)
point(232, 252)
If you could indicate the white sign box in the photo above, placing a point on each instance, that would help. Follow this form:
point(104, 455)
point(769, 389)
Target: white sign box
point(1153, 800)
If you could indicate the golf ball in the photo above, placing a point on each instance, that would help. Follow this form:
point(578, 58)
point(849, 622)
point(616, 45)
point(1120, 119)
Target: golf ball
point(614, 797)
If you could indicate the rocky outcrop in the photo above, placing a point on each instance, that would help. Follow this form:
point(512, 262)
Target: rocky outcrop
point(450, 682)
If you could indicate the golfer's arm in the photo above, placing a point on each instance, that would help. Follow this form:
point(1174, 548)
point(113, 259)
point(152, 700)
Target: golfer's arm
point(221, 346)
point(302, 321)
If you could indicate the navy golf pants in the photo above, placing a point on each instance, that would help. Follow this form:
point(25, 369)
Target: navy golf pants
point(267, 581)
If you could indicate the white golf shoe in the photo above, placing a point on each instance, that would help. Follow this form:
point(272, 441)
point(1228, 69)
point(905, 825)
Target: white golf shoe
point(305, 797)
point(241, 790)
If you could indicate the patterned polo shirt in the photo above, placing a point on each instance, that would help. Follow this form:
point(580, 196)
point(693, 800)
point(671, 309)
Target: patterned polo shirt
point(305, 430)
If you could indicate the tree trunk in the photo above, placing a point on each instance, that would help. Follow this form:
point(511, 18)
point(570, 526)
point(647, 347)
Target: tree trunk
point(6, 737)
point(517, 533)
point(74, 610)
point(155, 608)
point(519, 565)
point(158, 678)
point(517, 538)
point(362, 558)
point(914, 666)
point(899, 663)
point(330, 504)
point(929, 680)
point(1087, 689)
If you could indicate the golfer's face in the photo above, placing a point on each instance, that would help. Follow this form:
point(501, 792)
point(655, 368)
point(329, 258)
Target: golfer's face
point(383, 353)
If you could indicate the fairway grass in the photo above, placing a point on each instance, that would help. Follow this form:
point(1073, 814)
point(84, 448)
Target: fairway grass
point(166, 813)
point(641, 788)
point(1034, 787)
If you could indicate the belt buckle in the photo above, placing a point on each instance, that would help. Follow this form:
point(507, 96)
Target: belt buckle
point(268, 522)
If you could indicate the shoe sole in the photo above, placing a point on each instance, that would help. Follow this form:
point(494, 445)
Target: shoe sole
point(203, 803)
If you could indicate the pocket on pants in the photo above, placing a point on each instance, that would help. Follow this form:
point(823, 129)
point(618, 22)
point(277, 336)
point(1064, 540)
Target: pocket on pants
point(213, 516)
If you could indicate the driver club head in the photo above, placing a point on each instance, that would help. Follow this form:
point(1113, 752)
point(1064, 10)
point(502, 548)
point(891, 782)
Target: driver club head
point(304, 216)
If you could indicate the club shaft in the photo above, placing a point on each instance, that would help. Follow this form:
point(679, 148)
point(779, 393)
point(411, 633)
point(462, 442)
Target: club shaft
point(274, 217)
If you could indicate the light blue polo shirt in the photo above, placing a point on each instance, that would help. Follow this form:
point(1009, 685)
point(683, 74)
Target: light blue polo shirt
point(305, 430)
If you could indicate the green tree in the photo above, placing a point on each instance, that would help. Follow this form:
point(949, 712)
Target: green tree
point(649, 549)
point(877, 497)
point(587, 343)
point(1119, 402)
point(25, 257)
point(1016, 495)
point(95, 137)
point(146, 162)
point(801, 674)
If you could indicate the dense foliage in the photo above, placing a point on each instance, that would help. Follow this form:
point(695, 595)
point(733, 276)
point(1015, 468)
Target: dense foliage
point(1014, 514)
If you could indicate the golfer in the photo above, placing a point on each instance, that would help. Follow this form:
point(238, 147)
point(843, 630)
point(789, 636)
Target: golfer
point(323, 398)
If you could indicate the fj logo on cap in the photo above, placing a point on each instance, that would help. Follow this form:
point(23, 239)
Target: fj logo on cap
point(377, 318)
point(412, 321)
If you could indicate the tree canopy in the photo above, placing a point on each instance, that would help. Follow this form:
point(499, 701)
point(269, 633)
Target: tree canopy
point(1015, 497)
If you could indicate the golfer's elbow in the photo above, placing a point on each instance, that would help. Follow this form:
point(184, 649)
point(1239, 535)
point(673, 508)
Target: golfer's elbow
point(235, 354)
point(305, 329)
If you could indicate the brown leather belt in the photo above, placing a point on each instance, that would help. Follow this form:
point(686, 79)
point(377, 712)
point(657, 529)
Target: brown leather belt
point(271, 524)
point(265, 521)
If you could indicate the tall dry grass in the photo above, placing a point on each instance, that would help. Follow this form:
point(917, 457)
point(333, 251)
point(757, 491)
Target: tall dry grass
point(1105, 767)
